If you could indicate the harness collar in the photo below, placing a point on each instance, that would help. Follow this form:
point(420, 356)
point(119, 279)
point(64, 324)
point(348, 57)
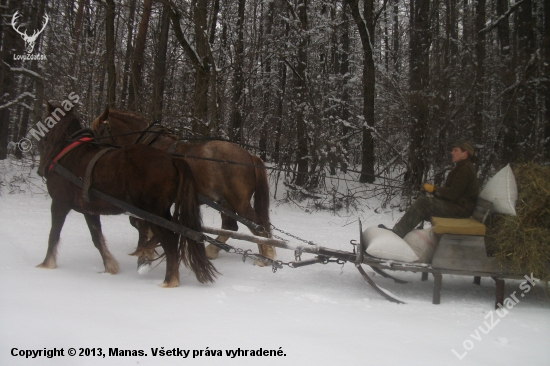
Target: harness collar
point(68, 148)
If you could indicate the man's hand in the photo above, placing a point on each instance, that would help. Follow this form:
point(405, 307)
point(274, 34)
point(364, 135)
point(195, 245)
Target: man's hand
point(428, 187)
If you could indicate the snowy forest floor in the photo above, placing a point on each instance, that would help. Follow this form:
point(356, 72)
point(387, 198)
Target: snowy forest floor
point(321, 314)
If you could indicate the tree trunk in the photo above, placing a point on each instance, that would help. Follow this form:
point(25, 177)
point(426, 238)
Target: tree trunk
point(77, 32)
point(466, 33)
point(35, 84)
point(215, 11)
point(507, 78)
point(479, 88)
point(301, 126)
point(344, 70)
point(199, 59)
point(238, 79)
point(267, 119)
point(6, 81)
point(280, 104)
point(20, 129)
point(202, 78)
point(546, 86)
point(159, 73)
point(418, 83)
point(526, 118)
point(128, 54)
point(136, 80)
point(110, 46)
point(365, 26)
point(395, 38)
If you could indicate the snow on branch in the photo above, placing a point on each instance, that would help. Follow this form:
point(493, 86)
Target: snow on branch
point(504, 16)
point(22, 70)
point(16, 100)
point(184, 42)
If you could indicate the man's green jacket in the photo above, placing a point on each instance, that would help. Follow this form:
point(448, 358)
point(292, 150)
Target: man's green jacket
point(461, 186)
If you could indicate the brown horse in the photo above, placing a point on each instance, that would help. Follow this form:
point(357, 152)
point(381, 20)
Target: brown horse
point(231, 185)
point(144, 177)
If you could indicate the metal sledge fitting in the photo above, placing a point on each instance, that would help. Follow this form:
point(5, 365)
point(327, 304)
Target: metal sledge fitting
point(275, 265)
point(245, 254)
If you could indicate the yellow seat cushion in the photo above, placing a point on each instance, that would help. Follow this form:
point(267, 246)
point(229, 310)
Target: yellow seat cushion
point(443, 225)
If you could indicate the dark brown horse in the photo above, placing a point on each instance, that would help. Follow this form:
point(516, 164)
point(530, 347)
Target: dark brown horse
point(231, 185)
point(144, 177)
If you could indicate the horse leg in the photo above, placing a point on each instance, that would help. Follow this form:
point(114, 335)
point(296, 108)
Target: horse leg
point(59, 213)
point(145, 248)
point(228, 223)
point(265, 250)
point(94, 224)
point(169, 242)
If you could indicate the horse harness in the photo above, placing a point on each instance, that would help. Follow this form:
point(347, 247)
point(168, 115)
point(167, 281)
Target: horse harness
point(151, 133)
point(91, 164)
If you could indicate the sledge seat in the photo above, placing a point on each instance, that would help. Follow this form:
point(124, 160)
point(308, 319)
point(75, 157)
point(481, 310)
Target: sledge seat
point(470, 226)
point(443, 225)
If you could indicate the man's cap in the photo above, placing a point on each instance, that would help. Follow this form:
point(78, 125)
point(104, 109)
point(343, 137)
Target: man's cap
point(465, 145)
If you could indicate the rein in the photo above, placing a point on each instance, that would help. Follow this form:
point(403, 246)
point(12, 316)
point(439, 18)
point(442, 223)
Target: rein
point(153, 134)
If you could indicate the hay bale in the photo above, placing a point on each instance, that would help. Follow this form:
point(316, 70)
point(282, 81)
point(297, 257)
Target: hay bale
point(522, 242)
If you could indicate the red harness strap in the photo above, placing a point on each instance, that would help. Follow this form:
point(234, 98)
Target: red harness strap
point(69, 148)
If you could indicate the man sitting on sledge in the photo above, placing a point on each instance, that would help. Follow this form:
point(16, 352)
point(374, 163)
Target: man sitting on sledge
point(456, 199)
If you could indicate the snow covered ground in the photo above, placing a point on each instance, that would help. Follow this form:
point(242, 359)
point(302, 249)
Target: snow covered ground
point(321, 314)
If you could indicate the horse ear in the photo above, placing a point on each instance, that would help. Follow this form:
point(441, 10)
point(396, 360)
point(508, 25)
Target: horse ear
point(104, 116)
point(49, 107)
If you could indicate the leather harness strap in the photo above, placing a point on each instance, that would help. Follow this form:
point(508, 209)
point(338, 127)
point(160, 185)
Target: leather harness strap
point(172, 148)
point(149, 135)
point(68, 148)
point(89, 170)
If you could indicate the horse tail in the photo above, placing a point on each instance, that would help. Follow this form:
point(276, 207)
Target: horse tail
point(187, 213)
point(261, 194)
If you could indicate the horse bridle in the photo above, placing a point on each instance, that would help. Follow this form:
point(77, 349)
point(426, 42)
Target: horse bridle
point(109, 129)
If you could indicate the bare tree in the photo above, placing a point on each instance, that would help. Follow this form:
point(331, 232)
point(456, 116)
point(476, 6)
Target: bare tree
point(136, 80)
point(238, 79)
point(110, 54)
point(365, 25)
point(159, 73)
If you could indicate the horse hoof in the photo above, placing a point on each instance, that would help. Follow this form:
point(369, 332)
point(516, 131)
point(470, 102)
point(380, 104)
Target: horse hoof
point(260, 263)
point(173, 283)
point(212, 251)
point(267, 251)
point(111, 267)
point(46, 266)
point(144, 268)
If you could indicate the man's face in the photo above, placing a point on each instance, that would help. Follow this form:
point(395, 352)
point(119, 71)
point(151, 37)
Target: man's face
point(458, 155)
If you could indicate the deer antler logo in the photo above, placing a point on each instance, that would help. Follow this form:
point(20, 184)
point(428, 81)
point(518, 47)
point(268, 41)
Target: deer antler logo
point(29, 40)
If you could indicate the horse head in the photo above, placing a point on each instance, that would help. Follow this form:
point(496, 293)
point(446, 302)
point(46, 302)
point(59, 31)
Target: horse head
point(101, 126)
point(120, 126)
point(60, 124)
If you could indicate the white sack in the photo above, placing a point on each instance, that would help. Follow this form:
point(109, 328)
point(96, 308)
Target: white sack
point(502, 191)
point(385, 244)
point(423, 243)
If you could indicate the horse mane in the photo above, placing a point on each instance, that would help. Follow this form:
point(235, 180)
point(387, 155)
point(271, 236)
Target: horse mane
point(59, 135)
point(128, 116)
point(121, 115)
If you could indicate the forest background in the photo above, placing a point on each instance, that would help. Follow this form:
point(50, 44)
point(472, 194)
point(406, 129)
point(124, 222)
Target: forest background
point(373, 91)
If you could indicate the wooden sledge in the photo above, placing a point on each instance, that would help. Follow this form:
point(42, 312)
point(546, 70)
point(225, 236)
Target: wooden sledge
point(461, 251)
